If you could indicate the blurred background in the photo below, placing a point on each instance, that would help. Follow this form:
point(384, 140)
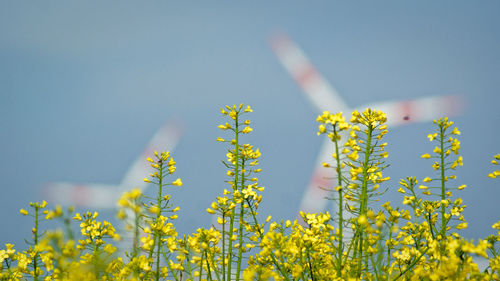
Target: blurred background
point(85, 85)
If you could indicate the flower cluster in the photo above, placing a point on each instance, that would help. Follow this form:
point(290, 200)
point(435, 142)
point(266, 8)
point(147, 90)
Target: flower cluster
point(495, 173)
point(419, 240)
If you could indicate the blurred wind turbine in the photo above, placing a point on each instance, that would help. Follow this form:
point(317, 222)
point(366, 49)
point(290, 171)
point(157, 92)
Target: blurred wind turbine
point(104, 196)
point(325, 98)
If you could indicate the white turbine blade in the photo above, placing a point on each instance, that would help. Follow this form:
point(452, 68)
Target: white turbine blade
point(398, 113)
point(418, 110)
point(325, 98)
point(165, 139)
point(82, 195)
point(106, 196)
point(322, 95)
point(322, 181)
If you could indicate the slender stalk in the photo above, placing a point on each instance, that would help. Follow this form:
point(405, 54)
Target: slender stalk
point(340, 249)
point(235, 183)
point(443, 189)
point(364, 195)
point(310, 266)
point(209, 272)
point(201, 265)
point(190, 270)
point(96, 259)
point(157, 231)
point(240, 233)
point(410, 266)
point(261, 236)
point(223, 245)
point(389, 251)
point(168, 265)
point(35, 238)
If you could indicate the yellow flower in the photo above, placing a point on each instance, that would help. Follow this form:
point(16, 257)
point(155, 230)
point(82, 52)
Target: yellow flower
point(322, 129)
point(177, 182)
point(146, 180)
point(248, 109)
point(154, 210)
point(220, 220)
point(171, 169)
point(247, 130)
point(353, 156)
point(23, 212)
point(224, 127)
point(426, 156)
point(495, 174)
point(435, 165)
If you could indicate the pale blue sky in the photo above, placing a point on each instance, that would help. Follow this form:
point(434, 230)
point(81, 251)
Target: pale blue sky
point(84, 85)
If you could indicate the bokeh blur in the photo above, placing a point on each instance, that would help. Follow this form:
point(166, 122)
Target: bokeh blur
point(84, 85)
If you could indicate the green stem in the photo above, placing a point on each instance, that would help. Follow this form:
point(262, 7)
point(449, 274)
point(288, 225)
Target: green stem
point(235, 187)
point(223, 245)
point(168, 265)
point(389, 251)
point(340, 249)
point(310, 266)
point(375, 268)
point(443, 189)
point(240, 233)
point(96, 260)
point(364, 194)
point(188, 259)
point(261, 236)
point(135, 242)
point(201, 266)
point(157, 232)
point(209, 272)
point(35, 238)
point(410, 266)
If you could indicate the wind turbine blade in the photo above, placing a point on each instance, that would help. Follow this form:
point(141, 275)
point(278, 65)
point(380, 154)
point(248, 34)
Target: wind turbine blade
point(418, 110)
point(164, 139)
point(321, 182)
point(105, 196)
point(321, 94)
point(398, 113)
point(98, 196)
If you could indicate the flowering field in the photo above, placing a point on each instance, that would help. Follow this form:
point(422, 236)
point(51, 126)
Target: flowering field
point(362, 239)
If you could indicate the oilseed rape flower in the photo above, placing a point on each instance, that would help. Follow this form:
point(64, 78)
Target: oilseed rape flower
point(495, 173)
point(177, 182)
point(356, 240)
